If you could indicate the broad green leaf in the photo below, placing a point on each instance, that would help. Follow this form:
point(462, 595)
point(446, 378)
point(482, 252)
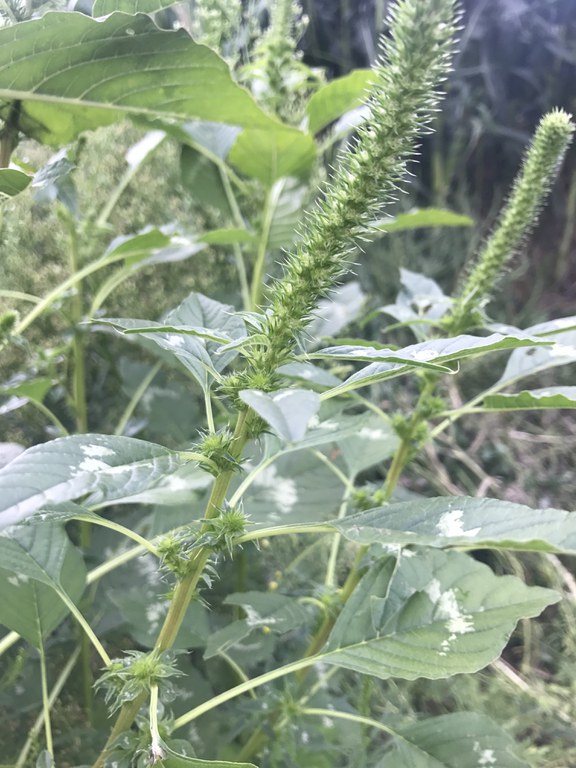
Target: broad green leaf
point(174, 760)
point(562, 350)
point(332, 100)
point(38, 562)
point(336, 313)
point(13, 181)
point(440, 351)
point(269, 155)
point(227, 236)
point(72, 73)
point(144, 609)
point(265, 611)
point(145, 327)
point(435, 615)
point(534, 399)
point(297, 488)
point(100, 467)
point(310, 373)
point(460, 740)
point(134, 248)
point(423, 217)
point(105, 7)
point(288, 411)
point(464, 521)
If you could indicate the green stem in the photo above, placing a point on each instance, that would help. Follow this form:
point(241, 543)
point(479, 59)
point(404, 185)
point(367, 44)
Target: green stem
point(334, 713)
point(19, 296)
point(39, 722)
point(45, 701)
point(74, 610)
point(330, 579)
point(136, 397)
point(79, 374)
point(239, 221)
point(260, 263)
point(238, 690)
point(50, 416)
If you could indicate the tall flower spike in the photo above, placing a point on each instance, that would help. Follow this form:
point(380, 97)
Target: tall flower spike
point(540, 168)
point(402, 101)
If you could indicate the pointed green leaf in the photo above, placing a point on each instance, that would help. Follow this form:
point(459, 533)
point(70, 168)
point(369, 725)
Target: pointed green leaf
point(269, 155)
point(38, 562)
point(13, 181)
point(464, 521)
point(145, 327)
point(534, 399)
point(101, 467)
point(441, 351)
point(332, 100)
point(438, 614)
point(287, 411)
point(31, 389)
point(71, 73)
point(460, 740)
point(424, 217)
point(227, 236)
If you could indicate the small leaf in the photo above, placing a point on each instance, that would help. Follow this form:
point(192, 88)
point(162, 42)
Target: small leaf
point(535, 399)
point(72, 73)
point(436, 615)
point(13, 181)
point(423, 217)
point(269, 155)
point(37, 563)
point(31, 389)
point(332, 100)
point(288, 411)
point(227, 236)
point(460, 740)
point(464, 521)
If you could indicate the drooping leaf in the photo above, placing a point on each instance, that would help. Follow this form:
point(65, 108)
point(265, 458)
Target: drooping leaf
point(13, 181)
point(332, 100)
point(534, 399)
point(460, 740)
point(105, 7)
point(145, 327)
point(433, 354)
point(464, 521)
point(37, 563)
point(288, 411)
point(424, 217)
point(202, 180)
point(100, 467)
point(71, 73)
point(271, 155)
point(419, 298)
point(434, 615)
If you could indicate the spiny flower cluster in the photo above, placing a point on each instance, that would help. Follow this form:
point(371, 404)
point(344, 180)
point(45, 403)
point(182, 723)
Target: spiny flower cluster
point(401, 105)
point(541, 165)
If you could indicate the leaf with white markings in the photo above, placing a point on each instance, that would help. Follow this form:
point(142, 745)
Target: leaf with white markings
point(38, 563)
point(464, 521)
point(433, 616)
point(459, 740)
point(433, 354)
point(531, 400)
point(103, 468)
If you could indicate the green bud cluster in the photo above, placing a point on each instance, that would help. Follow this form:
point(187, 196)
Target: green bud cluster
point(401, 104)
point(215, 22)
point(217, 447)
point(177, 553)
point(125, 679)
point(531, 187)
point(225, 529)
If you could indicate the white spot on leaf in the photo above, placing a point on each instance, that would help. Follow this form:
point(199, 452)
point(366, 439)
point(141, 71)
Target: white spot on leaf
point(92, 465)
point(425, 354)
point(283, 490)
point(97, 451)
point(450, 524)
